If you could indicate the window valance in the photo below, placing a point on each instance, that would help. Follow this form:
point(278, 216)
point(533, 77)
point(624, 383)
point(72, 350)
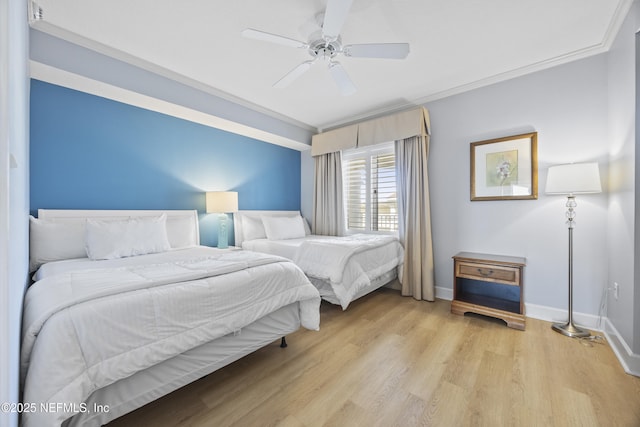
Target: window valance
point(393, 127)
point(334, 140)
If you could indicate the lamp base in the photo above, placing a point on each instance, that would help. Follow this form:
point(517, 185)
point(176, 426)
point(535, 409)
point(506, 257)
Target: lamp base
point(570, 330)
point(223, 237)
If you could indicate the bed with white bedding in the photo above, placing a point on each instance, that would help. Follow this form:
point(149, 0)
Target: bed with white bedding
point(342, 268)
point(104, 336)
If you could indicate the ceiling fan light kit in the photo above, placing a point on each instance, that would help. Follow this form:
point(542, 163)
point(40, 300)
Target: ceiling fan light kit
point(326, 44)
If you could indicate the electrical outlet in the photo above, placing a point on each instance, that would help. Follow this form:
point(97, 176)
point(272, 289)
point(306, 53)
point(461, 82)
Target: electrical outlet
point(616, 290)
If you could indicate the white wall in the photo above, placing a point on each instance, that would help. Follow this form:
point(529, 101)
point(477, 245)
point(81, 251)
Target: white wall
point(636, 318)
point(621, 139)
point(567, 106)
point(14, 193)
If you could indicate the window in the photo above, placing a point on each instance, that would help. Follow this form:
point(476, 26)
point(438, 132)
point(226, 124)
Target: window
point(369, 180)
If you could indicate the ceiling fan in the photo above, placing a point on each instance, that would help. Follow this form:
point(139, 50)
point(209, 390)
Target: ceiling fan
point(326, 44)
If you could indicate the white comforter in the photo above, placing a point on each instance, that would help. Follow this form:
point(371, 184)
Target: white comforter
point(350, 262)
point(87, 328)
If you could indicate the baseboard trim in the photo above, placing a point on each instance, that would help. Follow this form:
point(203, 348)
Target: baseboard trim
point(444, 293)
point(441, 293)
point(628, 359)
point(556, 315)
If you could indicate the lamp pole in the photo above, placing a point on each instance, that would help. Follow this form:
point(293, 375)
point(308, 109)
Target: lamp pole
point(569, 329)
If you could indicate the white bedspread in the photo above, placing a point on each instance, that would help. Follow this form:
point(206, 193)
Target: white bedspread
point(86, 328)
point(350, 262)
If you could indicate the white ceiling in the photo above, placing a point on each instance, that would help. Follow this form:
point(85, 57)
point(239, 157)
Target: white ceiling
point(456, 45)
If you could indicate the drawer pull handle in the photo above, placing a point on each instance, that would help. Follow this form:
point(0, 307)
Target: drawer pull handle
point(485, 273)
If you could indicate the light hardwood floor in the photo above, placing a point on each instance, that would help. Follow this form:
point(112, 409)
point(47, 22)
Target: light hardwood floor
point(393, 361)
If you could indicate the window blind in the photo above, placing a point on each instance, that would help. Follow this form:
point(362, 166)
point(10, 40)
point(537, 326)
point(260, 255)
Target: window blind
point(384, 215)
point(354, 178)
point(369, 181)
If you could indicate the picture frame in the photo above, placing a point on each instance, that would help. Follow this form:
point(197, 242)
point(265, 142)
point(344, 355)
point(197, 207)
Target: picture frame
point(505, 168)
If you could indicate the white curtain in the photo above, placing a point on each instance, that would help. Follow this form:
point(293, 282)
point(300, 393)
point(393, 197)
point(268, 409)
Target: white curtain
point(414, 217)
point(328, 211)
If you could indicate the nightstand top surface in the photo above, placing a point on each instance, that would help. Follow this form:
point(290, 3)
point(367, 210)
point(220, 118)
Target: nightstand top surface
point(489, 258)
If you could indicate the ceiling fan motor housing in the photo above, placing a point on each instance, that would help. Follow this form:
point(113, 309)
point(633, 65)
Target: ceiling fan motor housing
point(324, 49)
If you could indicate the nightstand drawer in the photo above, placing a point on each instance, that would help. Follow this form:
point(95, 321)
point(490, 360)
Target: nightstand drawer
point(492, 273)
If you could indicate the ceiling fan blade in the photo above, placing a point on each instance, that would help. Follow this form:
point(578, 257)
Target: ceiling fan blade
point(334, 16)
point(293, 74)
point(377, 50)
point(340, 76)
point(273, 38)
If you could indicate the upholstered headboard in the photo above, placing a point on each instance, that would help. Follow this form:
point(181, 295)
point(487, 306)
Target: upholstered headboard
point(239, 232)
point(59, 233)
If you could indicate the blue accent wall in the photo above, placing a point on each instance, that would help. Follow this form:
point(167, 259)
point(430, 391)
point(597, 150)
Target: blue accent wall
point(89, 152)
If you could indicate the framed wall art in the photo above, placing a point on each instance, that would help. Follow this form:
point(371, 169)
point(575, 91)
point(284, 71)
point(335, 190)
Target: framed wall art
point(505, 168)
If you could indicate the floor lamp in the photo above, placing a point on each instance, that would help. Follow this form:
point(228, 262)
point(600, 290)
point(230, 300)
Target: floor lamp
point(222, 202)
point(572, 179)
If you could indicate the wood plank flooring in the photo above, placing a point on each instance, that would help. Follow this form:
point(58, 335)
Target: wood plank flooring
point(393, 361)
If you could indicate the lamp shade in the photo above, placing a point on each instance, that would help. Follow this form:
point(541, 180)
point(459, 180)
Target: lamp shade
point(573, 178)
point(221, 201)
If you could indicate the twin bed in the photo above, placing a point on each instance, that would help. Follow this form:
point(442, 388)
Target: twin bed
point(150, 313)
point(126, 306)
point(342, 268)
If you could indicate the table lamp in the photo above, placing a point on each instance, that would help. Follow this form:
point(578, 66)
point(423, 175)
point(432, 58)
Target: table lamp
point(222, 202)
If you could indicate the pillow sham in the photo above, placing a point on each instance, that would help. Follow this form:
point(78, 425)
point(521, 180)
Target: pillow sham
point(283, 227)
point(54, 241)
point(131, 237)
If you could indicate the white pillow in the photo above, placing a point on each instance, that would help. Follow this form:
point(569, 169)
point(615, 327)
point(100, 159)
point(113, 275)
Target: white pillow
point(118, 239)
point(181, 231)
point(54, 241)
point(252, 228)
point(283, 227)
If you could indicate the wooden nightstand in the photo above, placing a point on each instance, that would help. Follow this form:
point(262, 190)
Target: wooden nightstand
point(491, 285)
